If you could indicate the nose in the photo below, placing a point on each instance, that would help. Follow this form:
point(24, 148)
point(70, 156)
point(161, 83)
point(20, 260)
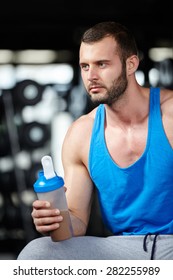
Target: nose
point(92, 74)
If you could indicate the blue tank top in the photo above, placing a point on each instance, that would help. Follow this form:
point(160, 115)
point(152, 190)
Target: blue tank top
point(139, 198)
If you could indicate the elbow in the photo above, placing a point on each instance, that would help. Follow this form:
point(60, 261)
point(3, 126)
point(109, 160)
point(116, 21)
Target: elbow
point(79, 227)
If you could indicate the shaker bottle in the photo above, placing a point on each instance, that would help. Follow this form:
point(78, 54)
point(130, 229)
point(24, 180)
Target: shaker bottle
point(49, 186)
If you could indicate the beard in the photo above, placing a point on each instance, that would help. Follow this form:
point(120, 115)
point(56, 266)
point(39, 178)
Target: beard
point(114, 93)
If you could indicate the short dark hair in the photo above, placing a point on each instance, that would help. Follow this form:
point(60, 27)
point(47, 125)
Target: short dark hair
point(124, 38)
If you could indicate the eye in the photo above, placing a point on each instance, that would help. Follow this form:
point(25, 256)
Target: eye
point(84, 67)
point(102, 64)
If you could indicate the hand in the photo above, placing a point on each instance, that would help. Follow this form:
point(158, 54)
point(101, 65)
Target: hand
point(45, 219)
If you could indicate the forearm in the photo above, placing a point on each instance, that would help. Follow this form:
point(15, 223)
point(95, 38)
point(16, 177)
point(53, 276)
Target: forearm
point(79, 227)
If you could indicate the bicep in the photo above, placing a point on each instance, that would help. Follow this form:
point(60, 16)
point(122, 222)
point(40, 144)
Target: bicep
point(79, 192)
point(77, 179)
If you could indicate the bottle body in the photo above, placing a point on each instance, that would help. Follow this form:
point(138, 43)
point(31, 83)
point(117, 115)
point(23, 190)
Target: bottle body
point(53, 191)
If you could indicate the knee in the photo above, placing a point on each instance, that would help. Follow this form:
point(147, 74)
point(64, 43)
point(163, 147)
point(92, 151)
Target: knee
point(35, 249)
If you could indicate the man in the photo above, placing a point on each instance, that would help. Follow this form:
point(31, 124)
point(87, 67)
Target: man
point(123, 147)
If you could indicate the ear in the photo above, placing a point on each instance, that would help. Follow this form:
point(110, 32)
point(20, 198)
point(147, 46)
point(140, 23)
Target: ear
point(132, 64)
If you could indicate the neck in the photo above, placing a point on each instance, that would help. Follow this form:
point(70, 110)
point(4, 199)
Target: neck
point(131, 109)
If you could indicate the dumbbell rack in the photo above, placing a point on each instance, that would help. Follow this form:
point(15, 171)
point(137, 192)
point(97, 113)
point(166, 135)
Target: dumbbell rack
point(16, 225)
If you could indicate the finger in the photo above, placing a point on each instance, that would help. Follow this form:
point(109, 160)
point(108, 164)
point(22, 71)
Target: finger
point(48, 220)
point(47, 228)
point(41, 204)
point(39, 213)
point(47, 224)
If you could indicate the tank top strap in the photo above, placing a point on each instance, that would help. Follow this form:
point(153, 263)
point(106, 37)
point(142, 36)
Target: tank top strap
point(155, 103)
point(155, 117)
point(97, 136)
point(99, 120)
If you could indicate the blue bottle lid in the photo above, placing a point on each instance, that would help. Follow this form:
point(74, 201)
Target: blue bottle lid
point(46, 185)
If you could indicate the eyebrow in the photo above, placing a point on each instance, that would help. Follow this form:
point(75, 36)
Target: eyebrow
point(96, 62)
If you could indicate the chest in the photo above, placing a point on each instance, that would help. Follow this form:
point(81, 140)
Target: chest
point(126, 146)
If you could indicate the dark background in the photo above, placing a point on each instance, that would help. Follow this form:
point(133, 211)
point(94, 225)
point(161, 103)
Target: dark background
point(58, 25)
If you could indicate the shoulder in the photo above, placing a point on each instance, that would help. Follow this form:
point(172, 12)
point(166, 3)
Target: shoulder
point(77, 139)
point(83, 125)
point(166, 100)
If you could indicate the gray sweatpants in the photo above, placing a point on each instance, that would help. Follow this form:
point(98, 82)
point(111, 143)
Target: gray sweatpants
point(99, 248)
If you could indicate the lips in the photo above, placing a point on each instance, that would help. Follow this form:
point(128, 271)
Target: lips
point(94, 88)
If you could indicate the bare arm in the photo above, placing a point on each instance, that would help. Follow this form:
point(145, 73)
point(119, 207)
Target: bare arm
point(77, 182)
point(167, 113)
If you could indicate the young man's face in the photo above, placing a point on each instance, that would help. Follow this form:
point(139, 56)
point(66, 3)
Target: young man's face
point(102, 72)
